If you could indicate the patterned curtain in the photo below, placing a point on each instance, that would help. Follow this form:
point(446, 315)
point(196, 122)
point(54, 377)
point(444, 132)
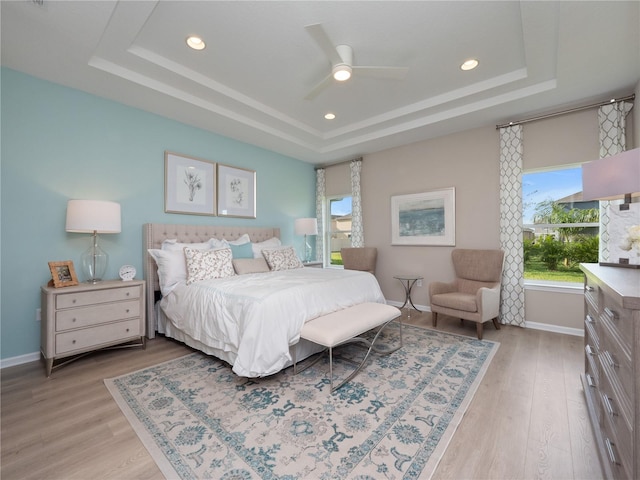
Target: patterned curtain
point(612, 119)
point(320, 196)
point(357, 230)
point(512, 306)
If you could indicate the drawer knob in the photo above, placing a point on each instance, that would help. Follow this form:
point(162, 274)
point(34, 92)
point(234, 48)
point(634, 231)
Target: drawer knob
point(73, 301)
point(74, 319)
point(128, 294)
point(73, 342)
point(127, 330)
point(127, 310)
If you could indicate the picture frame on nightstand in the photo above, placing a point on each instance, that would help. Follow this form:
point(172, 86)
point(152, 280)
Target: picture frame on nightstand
point(63, 274)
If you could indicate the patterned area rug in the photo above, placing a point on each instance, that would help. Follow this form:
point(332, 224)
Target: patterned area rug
point(393, 420)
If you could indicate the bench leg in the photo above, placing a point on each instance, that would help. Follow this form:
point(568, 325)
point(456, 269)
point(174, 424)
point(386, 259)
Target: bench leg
point(371, 346)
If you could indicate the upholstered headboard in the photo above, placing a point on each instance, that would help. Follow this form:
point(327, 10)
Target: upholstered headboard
point(153, 234)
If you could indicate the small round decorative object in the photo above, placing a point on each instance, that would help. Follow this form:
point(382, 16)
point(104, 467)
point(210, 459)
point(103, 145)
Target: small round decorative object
point(127, 272)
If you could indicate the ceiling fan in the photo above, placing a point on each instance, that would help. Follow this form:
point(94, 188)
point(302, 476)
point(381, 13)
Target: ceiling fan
point(341, 59)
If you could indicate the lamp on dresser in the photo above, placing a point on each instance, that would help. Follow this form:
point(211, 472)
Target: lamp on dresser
point(306, 226)
point(93, 216)
point(617, 178)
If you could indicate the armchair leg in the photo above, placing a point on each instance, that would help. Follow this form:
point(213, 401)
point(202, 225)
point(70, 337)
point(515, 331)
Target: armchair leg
point(479, 330)
point(496, 323)
point(434, 319)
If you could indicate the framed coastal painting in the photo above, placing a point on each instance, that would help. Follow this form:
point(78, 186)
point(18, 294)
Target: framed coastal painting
point(189, 185)
point(427, 218)
point(236, 192)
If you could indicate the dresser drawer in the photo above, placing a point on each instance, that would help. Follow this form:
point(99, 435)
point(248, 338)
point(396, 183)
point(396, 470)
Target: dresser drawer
point(618, 321)
point(94, 315)
point(94, 337)
point(617, 413)
point(619, 370)
point(618, 439)
point(79, 299)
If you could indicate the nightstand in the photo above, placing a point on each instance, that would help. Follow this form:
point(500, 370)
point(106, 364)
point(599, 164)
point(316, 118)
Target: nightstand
point(88, 317)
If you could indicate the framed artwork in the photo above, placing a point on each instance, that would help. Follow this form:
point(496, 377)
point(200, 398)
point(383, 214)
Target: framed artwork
point(189, 185)
point(427, 218)
point(236, 192)
point(63, 274)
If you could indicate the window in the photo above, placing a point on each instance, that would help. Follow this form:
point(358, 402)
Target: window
point(560, 229)
point(338, 228)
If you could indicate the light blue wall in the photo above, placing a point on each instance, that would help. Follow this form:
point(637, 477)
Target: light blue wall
point(59, 143)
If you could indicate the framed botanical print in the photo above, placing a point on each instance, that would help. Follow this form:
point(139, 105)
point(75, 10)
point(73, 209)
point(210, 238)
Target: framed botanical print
point(236, 192)
point(189, 185)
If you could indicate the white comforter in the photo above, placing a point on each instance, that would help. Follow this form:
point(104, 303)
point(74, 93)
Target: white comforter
point(256, 317)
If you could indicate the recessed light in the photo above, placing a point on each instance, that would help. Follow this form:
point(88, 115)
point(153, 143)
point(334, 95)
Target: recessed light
point(330, 116)
point(469, 64)
point(196, 42)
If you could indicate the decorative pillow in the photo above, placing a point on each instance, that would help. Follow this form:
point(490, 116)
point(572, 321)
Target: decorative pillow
point(284, 258)
point(208, 264)
point(172, 268)
point(240, 240)
point(250, 265)
point(242, 251)
point(259, 246)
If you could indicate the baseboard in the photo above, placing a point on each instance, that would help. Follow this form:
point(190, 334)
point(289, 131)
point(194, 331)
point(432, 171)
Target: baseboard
point(19, 360)
point(577, 332)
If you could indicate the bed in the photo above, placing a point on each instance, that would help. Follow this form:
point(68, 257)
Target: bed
point(252, 321)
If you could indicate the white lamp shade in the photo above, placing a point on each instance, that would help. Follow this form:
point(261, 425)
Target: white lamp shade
point(306, 226)
point(613, 177)
point(88, 216)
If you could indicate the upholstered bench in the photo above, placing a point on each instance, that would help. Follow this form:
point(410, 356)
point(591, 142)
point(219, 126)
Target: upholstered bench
point(345, 326)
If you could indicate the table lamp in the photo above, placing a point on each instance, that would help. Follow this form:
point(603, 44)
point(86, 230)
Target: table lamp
point(93, 216)
point(306, 226)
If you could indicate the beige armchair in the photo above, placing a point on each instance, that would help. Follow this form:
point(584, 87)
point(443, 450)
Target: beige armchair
point(475, 294)
point(360, 258)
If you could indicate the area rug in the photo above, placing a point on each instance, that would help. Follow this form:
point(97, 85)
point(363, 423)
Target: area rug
point(393, 420)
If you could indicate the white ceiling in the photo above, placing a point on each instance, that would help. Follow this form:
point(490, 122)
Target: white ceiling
point(251, 81)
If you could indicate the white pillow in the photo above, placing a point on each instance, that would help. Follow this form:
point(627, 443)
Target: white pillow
point(172, 268)
point(284, 258)
point(240, 240)
point(173, 244)
point(208, 264)
point(259, 246)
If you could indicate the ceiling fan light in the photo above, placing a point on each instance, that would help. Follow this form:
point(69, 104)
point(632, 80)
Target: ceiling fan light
point(341, 72)
point(469, 64)
point(196, 42)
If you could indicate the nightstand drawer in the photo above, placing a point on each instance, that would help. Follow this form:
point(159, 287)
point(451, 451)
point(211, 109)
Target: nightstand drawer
point(79, 299)
point(89, 338)
point(86, 316)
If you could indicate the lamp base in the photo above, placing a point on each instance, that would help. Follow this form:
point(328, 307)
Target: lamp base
point(94, 262)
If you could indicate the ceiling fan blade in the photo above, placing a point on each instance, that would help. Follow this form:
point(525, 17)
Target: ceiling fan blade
point(381, 72)
point(315, 91)
point(317, 33)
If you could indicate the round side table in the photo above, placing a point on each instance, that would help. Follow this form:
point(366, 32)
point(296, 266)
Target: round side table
point(408, 281)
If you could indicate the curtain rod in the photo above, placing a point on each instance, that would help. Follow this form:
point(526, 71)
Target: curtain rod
point(571, 110)
point(337, 163)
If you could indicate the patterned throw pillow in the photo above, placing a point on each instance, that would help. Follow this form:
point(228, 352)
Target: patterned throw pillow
point(208, 264)
point(282, 258)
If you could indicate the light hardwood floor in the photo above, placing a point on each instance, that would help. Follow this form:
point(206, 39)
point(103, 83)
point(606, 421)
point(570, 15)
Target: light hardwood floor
point(527, 420)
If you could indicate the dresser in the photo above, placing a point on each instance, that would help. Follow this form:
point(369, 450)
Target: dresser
point(88, 317)
point(611, 379)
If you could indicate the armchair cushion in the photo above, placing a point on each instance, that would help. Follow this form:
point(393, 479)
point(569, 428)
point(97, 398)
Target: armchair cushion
point(456, 301)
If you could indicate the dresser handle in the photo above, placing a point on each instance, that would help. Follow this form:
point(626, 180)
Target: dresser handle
point(73, 342)
point(73, 301)
point(127, 330)
point(74, 319)
point(127, 294)
point(612, 313)
point(590, 381)
point(611, 359)
point(589, 288)
point(612, 456)
point(589, 350)
point(607, 404)
point(589, 319)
